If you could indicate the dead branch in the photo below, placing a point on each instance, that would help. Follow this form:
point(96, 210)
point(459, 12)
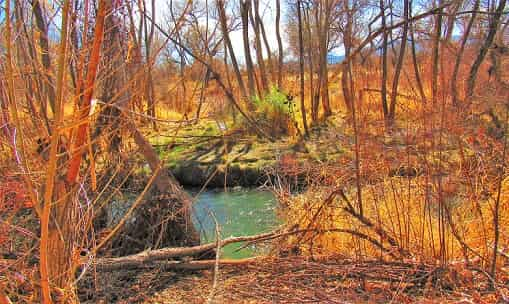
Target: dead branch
point(180, 265)
point(148, 257)
point(368, 223)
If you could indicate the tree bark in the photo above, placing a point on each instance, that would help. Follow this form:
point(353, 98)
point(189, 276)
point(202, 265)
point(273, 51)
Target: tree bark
point(182, 229)
point(149, 83)
point(84, 106)
point(111, 265)
point(179, 230)
point(205, 84)
point(313, 96)
point(346, 81)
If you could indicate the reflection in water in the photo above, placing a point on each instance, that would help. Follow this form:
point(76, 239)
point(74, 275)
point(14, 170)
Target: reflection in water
point(239, 213)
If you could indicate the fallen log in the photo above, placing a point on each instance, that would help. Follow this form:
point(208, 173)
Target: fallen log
point(105, 265)
point(149, 257)
point(146, 258)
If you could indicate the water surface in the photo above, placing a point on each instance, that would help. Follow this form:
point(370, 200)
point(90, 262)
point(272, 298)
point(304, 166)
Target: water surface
point(239, 213)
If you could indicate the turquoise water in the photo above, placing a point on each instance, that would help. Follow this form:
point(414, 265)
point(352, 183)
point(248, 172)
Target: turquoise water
point(238, 213)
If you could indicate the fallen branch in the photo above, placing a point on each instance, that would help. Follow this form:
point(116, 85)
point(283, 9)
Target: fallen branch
point(175, 265)
point(148, 257)
point(368, 223)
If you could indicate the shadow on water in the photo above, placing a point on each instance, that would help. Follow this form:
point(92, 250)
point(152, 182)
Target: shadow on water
point(239, 212)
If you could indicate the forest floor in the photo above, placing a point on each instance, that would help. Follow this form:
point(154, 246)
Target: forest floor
point(294, 280)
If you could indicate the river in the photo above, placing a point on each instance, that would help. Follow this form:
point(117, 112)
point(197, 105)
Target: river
point(239, 212)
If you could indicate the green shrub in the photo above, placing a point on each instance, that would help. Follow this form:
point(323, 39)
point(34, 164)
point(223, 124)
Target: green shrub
point(275, 112)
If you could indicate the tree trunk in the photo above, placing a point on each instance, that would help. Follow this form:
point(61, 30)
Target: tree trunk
point(224, 28)
point(267, 47)
point(324, 43)
point(435, 57)
point(399, 66)
point(55, 253)
point(301, 69)
point(492, 30)
point(321, 21)
point(459, 56)
point(280, 47)
point(178, 230)
point(258, 48)
point(245, 7)
point(314, 99)
point(44, 45)
point(418, 80)
point(346, 81)
point(148, 84)
point(383, 90)
point(181, 231)
point(205, 84)
point(152, 256)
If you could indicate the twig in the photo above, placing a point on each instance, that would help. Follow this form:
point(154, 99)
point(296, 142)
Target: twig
point(216, 265)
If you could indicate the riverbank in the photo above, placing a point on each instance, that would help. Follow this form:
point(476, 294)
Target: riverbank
point(203, 154)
